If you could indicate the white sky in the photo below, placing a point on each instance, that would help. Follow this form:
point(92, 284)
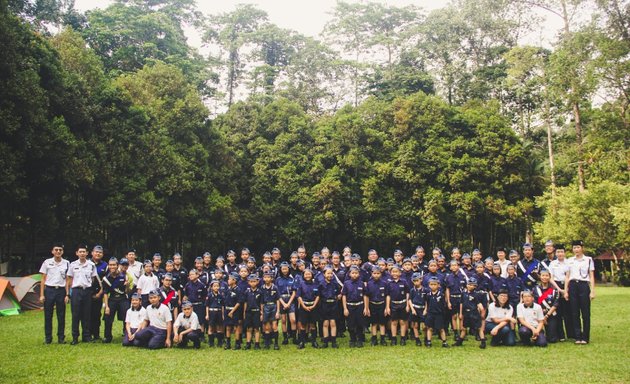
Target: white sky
point(308, 17)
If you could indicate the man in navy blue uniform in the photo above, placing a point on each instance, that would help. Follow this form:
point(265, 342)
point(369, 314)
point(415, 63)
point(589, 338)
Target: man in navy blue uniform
point(329, 292)
point(527, 268)
point(97, 292)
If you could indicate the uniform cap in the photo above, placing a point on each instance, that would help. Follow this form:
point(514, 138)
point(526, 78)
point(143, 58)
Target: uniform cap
point(220, 258)
point(476, 250)
point(115, 260)
point(414, 258)
point(198, 259)
point(157, 256)
point(454, 262)
point(527, 245)
point(187, 304)
point(577, 243)
point(147, 262)
point(376, 269)
point(213, 282)
point(234, 276)
point(251, 259)
point(284, 264)
point(168, 276)
point(169, 261)
point(548, 242)
point(300, 262)
point(465, 256)
point(472, 281)
point(176, 254)
point(433, 261)
point(219, 270)
point(406, 260)
point(268, 273)
point(513, 252)
point(124, 261)
point(252, 277)
point(154, 292)
point(98, 248)
point(396, 266)
point(274, 250)
point(419, 248)
point(355, 256)
point(434, 279)
point(441, 257)
point(398, 252)
point(478, 264)
point(207, 254)
point(136, 296)
point(354, 268)
point(390, 261)
point(416, 276)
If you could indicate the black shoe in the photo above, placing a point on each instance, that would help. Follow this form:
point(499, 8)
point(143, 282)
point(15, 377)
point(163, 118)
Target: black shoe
point(477, 338)
point(61, 341)
point(107, 341)
point(418, 343)
point(301, 346)
point(444, 344)
point(48, 341)
point(257, 346)
point(359, 344)
point(335, 345)
point(325, 344)
point(351, 344)
point(266, 346)
point(482, 345)
point(285, 341)
point(197, 345)
point(403, 341)
point(383, 342)
point(247, 346)
point(237, 346)
point(374, 342)
point(74, 342)
point(211, 343)
point(427, 343)
point(227, 345)
point(314, 344)
point(394, 341)
point(276, 347)
point(458, 342)
point(95, 338)
point(494, 343)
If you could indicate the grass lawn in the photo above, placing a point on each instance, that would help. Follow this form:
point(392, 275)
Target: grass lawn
point(25, 358)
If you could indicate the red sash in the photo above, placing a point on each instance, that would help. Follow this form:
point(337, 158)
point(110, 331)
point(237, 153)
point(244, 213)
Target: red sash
point(544, 295)
point(169, 297)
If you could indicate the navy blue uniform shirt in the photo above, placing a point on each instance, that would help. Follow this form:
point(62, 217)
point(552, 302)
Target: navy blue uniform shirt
point(353, 290)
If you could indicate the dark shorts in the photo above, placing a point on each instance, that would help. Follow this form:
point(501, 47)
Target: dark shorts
point(472, 320)
point(269, 312)
point(291, 308)
point(252, 319)
point(231, 321)
point(399, 313)
point(328, 310)
point(306, 317)
point(200, 311)
point(355, 319)
point(377, 314)
point(216, 318)
point(455, 302)
point(434, 321)
point(418, 317)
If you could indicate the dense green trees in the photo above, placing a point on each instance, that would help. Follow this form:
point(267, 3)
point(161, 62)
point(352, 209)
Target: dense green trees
point(402, 128)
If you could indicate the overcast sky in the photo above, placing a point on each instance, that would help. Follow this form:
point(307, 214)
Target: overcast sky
point(308, 17)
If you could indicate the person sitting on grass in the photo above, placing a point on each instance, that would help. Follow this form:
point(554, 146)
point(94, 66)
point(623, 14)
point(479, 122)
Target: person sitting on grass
point(500, 322)
point(530, 316)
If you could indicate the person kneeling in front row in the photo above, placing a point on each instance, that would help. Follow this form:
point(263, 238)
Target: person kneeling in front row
point(158, 333)
point(530, 316)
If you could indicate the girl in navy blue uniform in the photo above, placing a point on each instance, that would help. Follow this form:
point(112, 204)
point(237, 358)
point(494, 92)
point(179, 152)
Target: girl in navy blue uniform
point(353, 299)
point(253, 312)
point(308, 298)
point(416, 306)
point(271, 310)
point(233, 302)
point(375, 292)
point(329, 292)
point(473, 312)
point(455, 284)
point(548, 298)
point(497, 283)
point(514, 286)
point(214, 314)
point(397, 306)
point(242, 286)
point(285, 283)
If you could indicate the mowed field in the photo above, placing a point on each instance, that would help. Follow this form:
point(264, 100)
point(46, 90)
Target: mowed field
point(24, 358)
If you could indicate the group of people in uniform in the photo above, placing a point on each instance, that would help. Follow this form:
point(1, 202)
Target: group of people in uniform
point(240, 302)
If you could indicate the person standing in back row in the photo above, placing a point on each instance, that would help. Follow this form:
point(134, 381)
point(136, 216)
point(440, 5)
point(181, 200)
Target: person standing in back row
point(81, 275)
point(53, 292)
point(580, 290)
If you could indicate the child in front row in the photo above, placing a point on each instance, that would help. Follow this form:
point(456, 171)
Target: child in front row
point(434, 312)
point(472, 310)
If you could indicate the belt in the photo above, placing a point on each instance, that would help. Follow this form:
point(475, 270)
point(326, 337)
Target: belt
point(331, 301)
point(377, 302)
point(54, 287)
point(253, 309)
point(229, 308)
point(417, 306)
point(285, 295)
point(399, 301)
point(456, 295)
point(197, 303)
point(355, 303)
point(308, 302)
point(81, 287)
point(214, 309)
point(579, 281)
point(271, 303)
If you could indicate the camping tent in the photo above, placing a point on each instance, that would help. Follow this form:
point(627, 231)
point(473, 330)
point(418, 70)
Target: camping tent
point(27, 291)
point(9, 304)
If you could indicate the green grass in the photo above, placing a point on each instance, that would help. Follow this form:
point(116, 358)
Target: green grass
point(25, 358)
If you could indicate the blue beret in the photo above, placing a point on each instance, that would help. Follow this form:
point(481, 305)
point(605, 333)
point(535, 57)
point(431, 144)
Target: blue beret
point(354, 268)
point(284, 264)
point(465, 256)
point(454, 262)
point(398, 252)
point(169, 261)
point(416, 276)
point(187, 304)
point(419, 248)
point(406, 260)
point(251, 259)
point(177, 254)
point(472, 281)
point(124, 261)
point(441, 257)
point(234, 276)
point(513, 252)
point(300, 262)
point(147, 262)
point(198, 259)
point(376, 269)
point(207, 254)
point(136, 296)
point(432, 261)
point(252, 277)
point(476, 250)
point(414, 258)
point(390, 261)
point(434, 279)
point(154, 292)
point(355, 256)
point(220, 258)
point(214, 282)
point(489, 259)
point(268, 273)
point(396, 266)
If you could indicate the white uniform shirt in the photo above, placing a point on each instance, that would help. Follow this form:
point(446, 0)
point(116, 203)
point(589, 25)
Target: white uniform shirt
point(191, 322)
point(579, 268)
point(135, 269)
point(82, 274)
point(148, 283)
point(504, 264)
point(533, 315)
point(558, 270)
point(135, 318)
point(494, 311)
point(55, 272)
point(158, 317)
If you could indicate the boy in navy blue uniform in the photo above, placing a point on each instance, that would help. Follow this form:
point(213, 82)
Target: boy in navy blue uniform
point(195, 292)
point(214, 314)
point(397, 305)
point(308, 299)
point(432, 273)
point(286, 288)
point(242, 286)
point(114, 297)
point(233, 301)
point(497, 282)
point(253, 312)
point(455, 284)
point(417, 298)
point(353, 300)
point(375, 291)
point(271, 310)
point(473, 312)
point(434, 312)
point(329, 292)
point(514, 286)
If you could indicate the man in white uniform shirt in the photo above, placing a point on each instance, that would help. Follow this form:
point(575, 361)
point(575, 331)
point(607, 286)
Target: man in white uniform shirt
point(558, 269)
point(580, 290)
point(158, 333)
point(135, 267)
point(81, 275)
point(53, 292)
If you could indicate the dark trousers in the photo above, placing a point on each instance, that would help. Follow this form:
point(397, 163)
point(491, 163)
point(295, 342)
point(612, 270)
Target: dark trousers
point(54, 298)
point(551, 329)
point(525, 334)
point(505, 335)
point(194, 337)
point(150, 337)
point(81, 304)
point(356, 323)
point(95, 317)
point(117, 309)
point(126, 342)
point(565, 322)
point(580, 301)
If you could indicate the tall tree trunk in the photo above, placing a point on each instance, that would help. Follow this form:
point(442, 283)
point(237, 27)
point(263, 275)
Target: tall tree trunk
point(578, 137)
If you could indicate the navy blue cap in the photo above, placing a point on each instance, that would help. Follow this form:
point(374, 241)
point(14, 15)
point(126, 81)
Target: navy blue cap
point(527, 245)
point(354, 268)
point(234, 276)
point(434, 279)
point(355, 256)
point(454, 262)
point(472, 281)
point(432, 261)
point(398, 252)
point(136, 296)
point(395, 266)
point(220, 258)
point(476, 250)
point(168, 276)
point(157, 255)
point(465, 256)
point(548, 242)
point(198, 259)
point(300, 262)
point(219, 270)
point(268, 273)
point(284, 264)
point(419, 248)
point(513, 252)
point(489, 259)
point(275, 249)
point(251, 259)
point(441, 257)
point(416, 276)
point(207, 254)
point(154, 292)
point(390, 261)
point(406, 260)
point(98, 248)
point(147, 262)
point(187, 304)
point(214, 282)
point(123, 261)
point(376, 269)
point(252, 277)
point(115, 260)
point(169, 261)
point(478, 264)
